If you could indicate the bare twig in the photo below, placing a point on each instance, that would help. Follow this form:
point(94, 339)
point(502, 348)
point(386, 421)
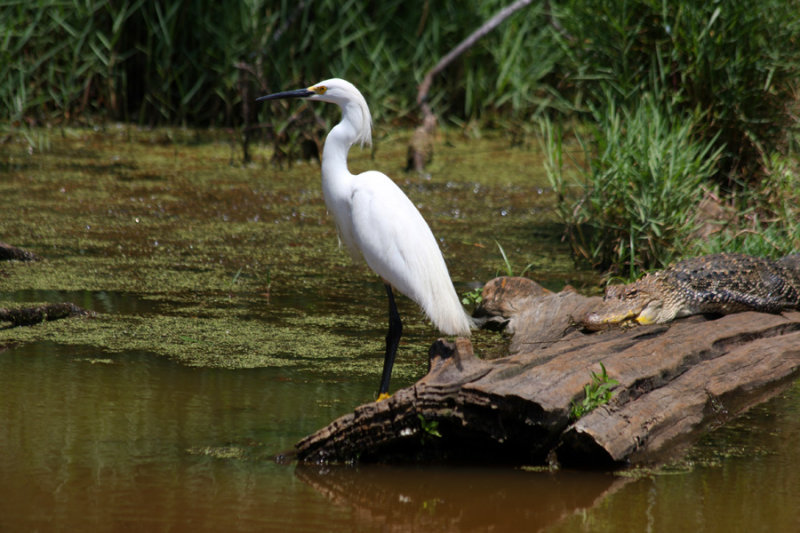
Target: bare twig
point(420, 150)
point(489, 25)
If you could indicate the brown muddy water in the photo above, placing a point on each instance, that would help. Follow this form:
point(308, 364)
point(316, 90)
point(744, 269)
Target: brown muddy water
point(229, 326)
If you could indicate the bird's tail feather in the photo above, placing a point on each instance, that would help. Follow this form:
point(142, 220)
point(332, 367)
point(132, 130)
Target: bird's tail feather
point(446, 311)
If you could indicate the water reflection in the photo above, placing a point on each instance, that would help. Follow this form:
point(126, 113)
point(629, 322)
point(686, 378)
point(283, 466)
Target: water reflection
point(458, 499)
point(745, 476)
point(107, 441)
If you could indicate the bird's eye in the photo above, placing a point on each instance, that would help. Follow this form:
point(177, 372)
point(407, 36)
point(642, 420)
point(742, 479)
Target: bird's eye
point(320, 89)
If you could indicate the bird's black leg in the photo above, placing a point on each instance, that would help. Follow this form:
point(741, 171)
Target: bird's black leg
point(392, 341)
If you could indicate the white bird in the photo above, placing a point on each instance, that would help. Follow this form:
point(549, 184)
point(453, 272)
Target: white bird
point(376, 220)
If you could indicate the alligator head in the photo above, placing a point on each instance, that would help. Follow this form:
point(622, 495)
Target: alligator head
point(646, 301)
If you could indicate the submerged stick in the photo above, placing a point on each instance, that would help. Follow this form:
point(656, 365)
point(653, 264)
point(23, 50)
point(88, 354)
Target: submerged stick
point(12, 253)
point(28, 316)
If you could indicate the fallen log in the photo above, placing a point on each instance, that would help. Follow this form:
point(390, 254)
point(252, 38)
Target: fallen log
point(675, 381)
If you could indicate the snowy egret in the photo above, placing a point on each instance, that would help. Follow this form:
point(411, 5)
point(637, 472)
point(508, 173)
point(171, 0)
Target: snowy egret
point(377, 221)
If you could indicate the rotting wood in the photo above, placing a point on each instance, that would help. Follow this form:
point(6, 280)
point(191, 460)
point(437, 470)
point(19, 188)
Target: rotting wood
point(708, 395)
point(675, 382)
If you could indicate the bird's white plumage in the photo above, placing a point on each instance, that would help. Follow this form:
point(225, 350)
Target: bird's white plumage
point(397, 243)
point(377, 221)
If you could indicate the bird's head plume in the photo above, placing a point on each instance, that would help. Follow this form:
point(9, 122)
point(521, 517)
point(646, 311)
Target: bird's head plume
point(342, 93)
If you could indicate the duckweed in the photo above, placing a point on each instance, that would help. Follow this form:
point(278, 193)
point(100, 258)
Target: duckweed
point(187, 254)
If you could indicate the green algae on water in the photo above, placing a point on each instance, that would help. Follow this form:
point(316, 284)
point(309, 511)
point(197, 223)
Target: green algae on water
point(188, 254)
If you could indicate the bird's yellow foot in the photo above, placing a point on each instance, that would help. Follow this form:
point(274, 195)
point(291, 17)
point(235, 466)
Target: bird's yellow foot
point(383, 396)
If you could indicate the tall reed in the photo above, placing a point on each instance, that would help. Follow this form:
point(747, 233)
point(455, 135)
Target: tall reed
point(631, 206)
point(721, 80)
point(176, 62)
point(737, 61)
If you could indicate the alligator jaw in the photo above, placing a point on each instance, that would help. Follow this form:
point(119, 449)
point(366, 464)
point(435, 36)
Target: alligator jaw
point(596, 321)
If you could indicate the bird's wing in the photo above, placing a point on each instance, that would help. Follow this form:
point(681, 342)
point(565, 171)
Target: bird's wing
point(395, 240)
point(399, 246)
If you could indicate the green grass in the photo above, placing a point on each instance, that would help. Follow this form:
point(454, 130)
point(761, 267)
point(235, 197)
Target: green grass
point(763, 221)
point(629, 205)
point(197, 63)
point(194, 63)
point(737, 61)
point(508, 268)
point(678, 99)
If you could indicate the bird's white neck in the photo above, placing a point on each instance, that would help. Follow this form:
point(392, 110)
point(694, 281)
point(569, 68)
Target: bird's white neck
point(354, 127)
point(334, 153)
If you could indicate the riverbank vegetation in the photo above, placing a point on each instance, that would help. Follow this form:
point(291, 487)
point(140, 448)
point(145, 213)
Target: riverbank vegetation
point(671, 127)
point(688, 143)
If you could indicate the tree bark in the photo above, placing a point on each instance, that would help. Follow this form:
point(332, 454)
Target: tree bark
point(675, 382)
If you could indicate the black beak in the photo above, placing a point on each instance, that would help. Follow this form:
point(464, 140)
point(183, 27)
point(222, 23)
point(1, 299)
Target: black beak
point(299, 93)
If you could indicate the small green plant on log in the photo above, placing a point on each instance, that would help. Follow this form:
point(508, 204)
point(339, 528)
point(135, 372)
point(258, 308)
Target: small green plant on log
point(473, 297)
point(430, 429)
point(596, 393)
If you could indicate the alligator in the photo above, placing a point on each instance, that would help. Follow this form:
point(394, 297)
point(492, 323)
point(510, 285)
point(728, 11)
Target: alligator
point(712, 284)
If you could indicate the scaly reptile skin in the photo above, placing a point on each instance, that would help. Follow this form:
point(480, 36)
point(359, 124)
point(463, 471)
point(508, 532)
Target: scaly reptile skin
point(720, 284)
